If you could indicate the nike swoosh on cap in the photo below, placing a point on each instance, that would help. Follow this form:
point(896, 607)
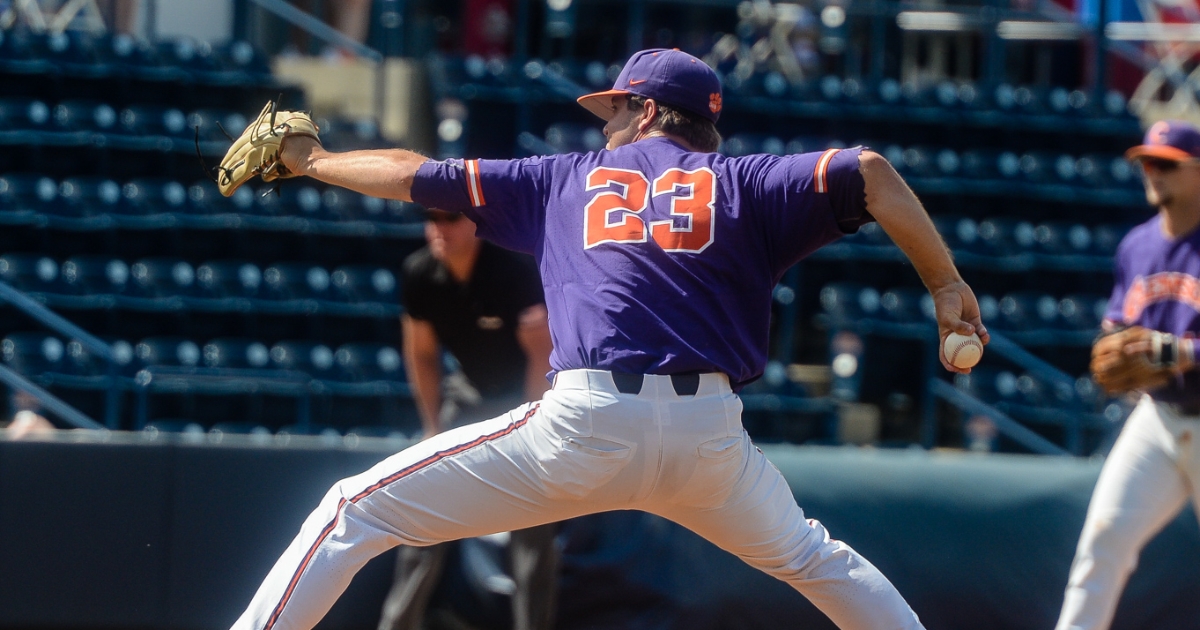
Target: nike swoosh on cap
point(633, 82)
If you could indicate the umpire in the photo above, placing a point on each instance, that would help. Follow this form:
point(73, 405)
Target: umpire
point(485, 305)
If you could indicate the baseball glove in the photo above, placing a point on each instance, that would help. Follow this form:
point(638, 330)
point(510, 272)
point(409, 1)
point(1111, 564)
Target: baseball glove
point(1134, 358)
point(256, 151)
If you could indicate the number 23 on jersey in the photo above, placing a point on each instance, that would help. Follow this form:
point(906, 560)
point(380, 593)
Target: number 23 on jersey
point(613, 215)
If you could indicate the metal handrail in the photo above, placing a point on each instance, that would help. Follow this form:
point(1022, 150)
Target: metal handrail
point(1006, 425)
point(51, 402)
point(93, 344)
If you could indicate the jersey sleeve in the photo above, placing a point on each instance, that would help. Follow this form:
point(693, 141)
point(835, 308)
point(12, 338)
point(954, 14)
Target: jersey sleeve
point(505, 198)
point(807, 200)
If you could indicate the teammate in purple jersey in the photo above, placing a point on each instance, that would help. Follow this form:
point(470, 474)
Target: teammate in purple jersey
point(658, 259)
point(1154, 466)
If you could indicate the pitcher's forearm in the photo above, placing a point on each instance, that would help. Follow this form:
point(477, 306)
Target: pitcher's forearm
point(903, 218)
point(384, 173)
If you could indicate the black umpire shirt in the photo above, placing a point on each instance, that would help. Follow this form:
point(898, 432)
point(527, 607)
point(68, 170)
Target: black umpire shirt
point(477, 320)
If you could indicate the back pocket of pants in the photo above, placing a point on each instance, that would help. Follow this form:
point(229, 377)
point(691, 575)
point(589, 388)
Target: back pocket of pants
point(584, 464)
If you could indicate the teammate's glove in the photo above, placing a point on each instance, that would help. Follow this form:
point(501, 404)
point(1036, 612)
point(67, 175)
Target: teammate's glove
point(1135, 358)
point(256, 151)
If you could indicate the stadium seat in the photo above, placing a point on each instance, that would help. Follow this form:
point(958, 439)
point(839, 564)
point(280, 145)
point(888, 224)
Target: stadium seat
point(847, 300)
point(1028, 310)
point(368, 362)
point(171, 351)
point(1083, 311)
point(33, 353)
point(364, 283)
point(228, 279)
point(154, 120)
point(311, 357)
point(205, 198)
point(1002, 236)
point(31, 272)
point(1106, 237)
point(300, 200)
point(33, 190)
point(572, 137)
point(960, 233)
point(82, 362)
point(84, 115)
point(236, 353)
point(87, 196)
point(339, 204)
point(23, 114)
point(239, 428)
point(296, 281)
point(210, 123)
point(907, 305)
point(162, 277)
point(152, 196)
point(1060, 237)
point(172, 425)
point(95, 275)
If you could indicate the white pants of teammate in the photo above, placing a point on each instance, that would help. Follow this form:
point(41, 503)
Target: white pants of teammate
point(584, 448)
point(1153, 469)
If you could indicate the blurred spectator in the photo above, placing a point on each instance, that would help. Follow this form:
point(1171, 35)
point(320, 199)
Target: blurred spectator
point(121, 16)
point(26, 420)
point(489, 27)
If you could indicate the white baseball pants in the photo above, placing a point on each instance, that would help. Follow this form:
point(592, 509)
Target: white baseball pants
point(584, 448)
point(1153, 469)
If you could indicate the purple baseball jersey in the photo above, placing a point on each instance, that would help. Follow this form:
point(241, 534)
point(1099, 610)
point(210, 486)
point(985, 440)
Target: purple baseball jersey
point(1157, 286)
point(656, 259)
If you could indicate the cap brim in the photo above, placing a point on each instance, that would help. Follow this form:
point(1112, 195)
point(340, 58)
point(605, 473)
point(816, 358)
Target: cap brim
point(600, 103)
point(1158, 151)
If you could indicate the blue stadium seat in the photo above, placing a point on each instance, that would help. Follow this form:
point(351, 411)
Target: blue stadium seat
point(210, 122)
point(368, 362)
point(1004, 236)
point(162, 277)
point(205, 198)
point(311, 357)
point(95, 275)
point(33, 353)
point(1028, 310)
point(23, 51)
point(85, 115)
point(849, 300)
point(960, 233)
point(301, 200)
point(296, 281)
point(810, 144)
point(82, 362)
point(228, 279)
point(171, 351)
point(1083, 311)
point(233, 352)
point(980, 164)
point(573, 137)
point(32, 190)
point(31, 272)
point(340, 204)
point(23, 114)
point(987, 383)
point(239, 428)
point(174, 425)
point(152, 196)
point(154, 120)
point(364, 283)
point(87, 196)
point(1060, 237)
point(753, 143)
point(907, 305)
point(1107, 236)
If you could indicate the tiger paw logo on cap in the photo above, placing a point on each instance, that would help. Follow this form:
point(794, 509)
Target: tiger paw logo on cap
point(714, 102)
point(1158, 132)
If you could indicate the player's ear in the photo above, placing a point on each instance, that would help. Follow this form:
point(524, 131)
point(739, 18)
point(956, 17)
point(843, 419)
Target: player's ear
point(649, 115)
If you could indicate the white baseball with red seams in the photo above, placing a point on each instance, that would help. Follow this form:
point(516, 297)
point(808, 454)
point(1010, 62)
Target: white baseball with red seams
point(963, 351)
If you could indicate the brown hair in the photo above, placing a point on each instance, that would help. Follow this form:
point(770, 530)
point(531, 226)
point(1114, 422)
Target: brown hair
point(697, 131)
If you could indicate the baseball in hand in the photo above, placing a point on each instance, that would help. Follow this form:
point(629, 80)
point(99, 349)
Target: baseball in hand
point(963, 351)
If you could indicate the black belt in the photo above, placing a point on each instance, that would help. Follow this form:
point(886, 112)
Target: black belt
point(684, 384)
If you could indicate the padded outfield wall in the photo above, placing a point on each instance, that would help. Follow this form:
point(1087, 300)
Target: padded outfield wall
point(133, 532)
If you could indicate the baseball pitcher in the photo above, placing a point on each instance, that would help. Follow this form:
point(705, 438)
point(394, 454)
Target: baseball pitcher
point(658, 257)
